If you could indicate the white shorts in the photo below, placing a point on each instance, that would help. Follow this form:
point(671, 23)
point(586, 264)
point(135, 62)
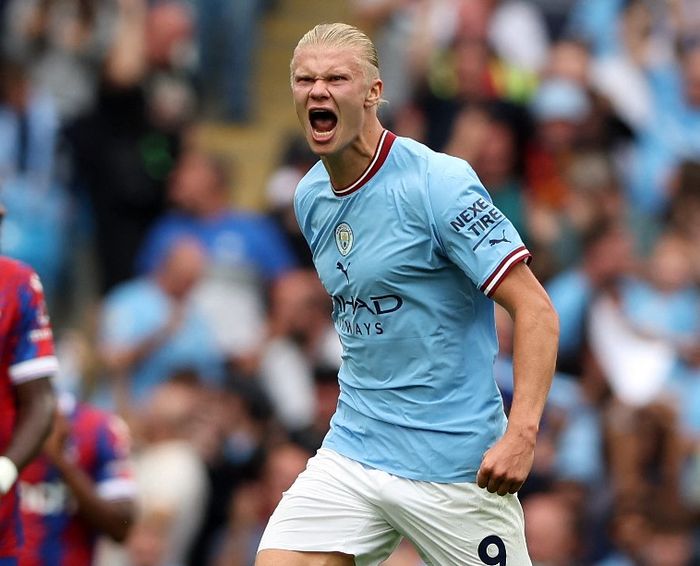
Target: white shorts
point(339, 505)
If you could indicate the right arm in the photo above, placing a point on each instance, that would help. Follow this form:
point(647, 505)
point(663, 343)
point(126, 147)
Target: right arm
point(32, 363)
point(36, 403)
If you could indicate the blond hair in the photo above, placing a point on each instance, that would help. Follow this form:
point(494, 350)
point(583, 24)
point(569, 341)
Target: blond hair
point(343, 35)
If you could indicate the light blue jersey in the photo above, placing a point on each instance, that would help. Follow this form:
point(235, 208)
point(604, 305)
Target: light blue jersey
point(410, 253)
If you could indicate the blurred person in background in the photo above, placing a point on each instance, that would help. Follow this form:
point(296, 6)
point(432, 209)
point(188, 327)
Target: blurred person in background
point(231, 433)
point(593, 198)
point(124, 147)
point(560, 109)
point(33, 193)
point(80, 487)
point(475, 66)
point(27, 399)
point(672, 134)
point(66, 43)
point(406, 33)
point(607, 256)
point(245, 251)
point(252, 504)
point(629, 527)
point(227, 40)
point(171, 480)
point(638, 331)
point(301, 338)
point(672, 543)
point(684, 213)
point(150, 329)
point(296, 160)
point(326, 391)
point(552, 530)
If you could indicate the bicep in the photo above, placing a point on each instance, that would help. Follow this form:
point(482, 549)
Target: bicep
point(520, 289)
point(37, 391)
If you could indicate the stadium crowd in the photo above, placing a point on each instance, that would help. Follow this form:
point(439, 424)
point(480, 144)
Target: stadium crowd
point(205, 327)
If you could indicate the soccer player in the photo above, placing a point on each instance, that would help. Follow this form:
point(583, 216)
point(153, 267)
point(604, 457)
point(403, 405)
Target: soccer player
point(27, 399)
point(80, 486)
point(412, 251)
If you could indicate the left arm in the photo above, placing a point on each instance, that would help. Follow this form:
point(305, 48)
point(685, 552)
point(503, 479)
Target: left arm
point(112, 517)
point(507, 463)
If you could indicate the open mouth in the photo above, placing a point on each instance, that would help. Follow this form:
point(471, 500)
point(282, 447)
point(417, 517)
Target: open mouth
point(323, 123)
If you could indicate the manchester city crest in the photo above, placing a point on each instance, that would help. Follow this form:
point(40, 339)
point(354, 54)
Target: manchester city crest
point(343, 238)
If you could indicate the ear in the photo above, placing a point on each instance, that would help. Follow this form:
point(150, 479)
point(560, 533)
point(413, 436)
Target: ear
point(374, 94)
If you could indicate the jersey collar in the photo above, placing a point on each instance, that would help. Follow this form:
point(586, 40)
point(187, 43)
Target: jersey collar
point(380, 154)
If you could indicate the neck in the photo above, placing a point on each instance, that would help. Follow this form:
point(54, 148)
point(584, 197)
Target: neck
point(346, 166)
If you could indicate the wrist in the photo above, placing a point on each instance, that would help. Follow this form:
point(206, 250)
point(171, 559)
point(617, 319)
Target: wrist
point(8, 474)
point(58, 460)
point(527, 432)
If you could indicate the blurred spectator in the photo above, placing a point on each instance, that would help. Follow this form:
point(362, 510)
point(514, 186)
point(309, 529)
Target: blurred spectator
point(227, 37)
point(406, 33)
point(629, 528)
point(645, 451)
point(252, 505)
point(67, 42)
point(245, 251)
point(684, 215)
point(301, 338)
point(126, 145)
point(665, 303)
point(80, 487)
point(296, 160)
point(150, 329)
point(560, 108)
point(326, 391)
point(231, 434)
point(671, 544)
point(552, 531)
point(466, 72)
point(171, 480)
point(36, 201)
point(672, 134)
point(607, 257)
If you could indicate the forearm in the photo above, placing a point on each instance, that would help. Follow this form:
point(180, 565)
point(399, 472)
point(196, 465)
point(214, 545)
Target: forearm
point(125, 65)
point(112, 518)
point(34, 417)
point(535, 340)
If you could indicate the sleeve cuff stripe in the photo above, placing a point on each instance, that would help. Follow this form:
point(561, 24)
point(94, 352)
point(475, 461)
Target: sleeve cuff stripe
point(514, 257)
point(33, 369)
point(117, 489)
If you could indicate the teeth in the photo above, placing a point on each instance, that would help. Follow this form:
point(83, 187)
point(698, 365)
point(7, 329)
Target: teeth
point(323, 134)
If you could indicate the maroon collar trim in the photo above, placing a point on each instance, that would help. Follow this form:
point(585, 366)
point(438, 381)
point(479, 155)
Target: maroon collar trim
point(380, 154)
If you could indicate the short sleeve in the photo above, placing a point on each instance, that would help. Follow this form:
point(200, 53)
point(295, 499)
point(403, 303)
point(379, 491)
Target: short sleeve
point(33, 353)
point(472, 232)
point(114, 475)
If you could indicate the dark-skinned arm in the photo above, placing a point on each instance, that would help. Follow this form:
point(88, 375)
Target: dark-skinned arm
point(36, 403)
point(507, 463)
point(112, 517)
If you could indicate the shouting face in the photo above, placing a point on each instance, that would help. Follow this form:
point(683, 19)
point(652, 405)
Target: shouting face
point(333, 94)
